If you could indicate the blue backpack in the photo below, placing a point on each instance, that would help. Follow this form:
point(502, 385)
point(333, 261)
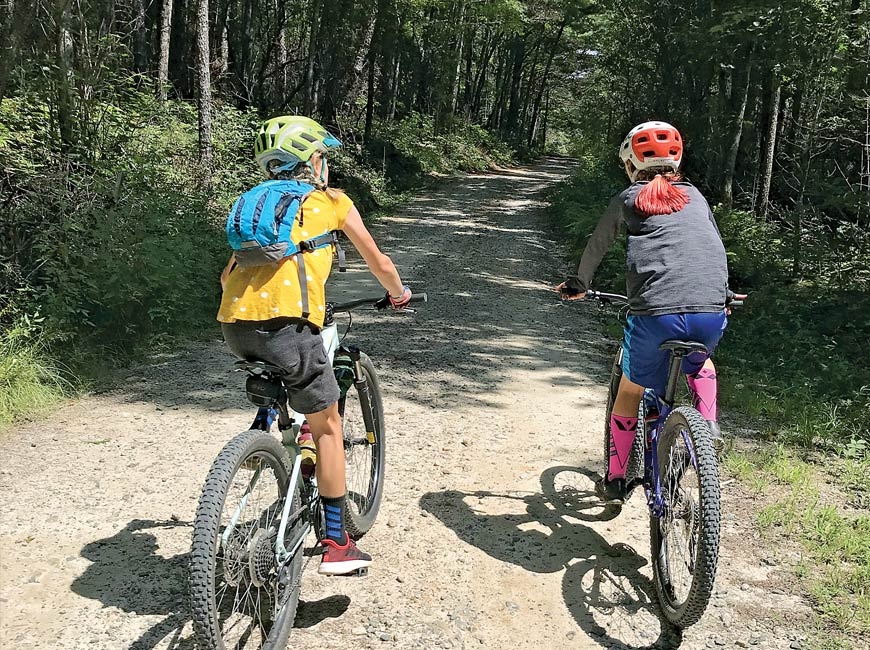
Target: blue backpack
point(260, 224)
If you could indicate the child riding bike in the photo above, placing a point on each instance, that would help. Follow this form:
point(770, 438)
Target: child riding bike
point(274, 312)
point(676, 280)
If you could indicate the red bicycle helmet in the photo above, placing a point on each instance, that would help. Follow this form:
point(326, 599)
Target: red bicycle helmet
point(652, 145)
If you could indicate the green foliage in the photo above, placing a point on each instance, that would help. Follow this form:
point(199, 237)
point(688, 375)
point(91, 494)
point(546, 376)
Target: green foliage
point(411, 149)
point(29, 379)
point(120, 244)
point(792, 349)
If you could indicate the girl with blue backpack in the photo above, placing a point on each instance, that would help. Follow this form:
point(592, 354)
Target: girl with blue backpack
point(284, 234)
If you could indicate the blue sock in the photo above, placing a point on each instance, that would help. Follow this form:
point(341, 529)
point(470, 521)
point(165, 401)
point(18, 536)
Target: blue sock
point(333, 510)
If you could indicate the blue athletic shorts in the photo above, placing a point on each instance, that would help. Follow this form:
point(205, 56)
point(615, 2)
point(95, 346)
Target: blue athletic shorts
point(643, 362)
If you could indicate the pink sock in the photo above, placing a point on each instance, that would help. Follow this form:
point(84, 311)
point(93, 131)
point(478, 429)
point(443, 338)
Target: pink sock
point(622, 432)
point(704, 388)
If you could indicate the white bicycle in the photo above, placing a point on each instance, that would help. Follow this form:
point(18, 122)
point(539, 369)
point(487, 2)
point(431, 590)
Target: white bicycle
point(257, 508)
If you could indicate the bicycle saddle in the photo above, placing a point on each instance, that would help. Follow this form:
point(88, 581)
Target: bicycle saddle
point(258, 368)
point(685, 346)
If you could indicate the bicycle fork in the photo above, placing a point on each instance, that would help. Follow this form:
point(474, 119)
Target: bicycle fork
point(365, 394)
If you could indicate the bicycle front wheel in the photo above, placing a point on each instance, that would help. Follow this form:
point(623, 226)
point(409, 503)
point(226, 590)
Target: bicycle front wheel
point(685, 539)
point(240, 597)
point(364, 451)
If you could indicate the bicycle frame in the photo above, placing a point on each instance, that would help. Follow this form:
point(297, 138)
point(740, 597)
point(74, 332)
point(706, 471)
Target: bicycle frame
point(289, 422)
point(663, 407)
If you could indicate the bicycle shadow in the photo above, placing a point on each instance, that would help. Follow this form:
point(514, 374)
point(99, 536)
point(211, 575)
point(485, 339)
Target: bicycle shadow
point(129, 573)
point(603, 588)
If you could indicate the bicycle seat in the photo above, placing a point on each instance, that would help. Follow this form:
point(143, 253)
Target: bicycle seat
point(259, 368)
point(685, 346)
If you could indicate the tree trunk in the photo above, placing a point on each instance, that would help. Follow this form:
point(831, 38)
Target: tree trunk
point(394, 95)
point(203, 83)
point(482, 67)
point(140, 37)
point(281, 82)
point(63, 52)
point(544, 85)
point(737, 134)
point(163, 65)
point(448, 61)
point(310, 98)
point(767, 169)
point(364, 55)
point(518, 55)
point(8, 42)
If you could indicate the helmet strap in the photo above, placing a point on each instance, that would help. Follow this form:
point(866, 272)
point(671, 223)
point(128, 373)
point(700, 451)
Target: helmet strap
point(286, 167)
point(321, 177)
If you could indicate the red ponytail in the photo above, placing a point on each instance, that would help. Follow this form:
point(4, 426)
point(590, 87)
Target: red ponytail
point(660, 196)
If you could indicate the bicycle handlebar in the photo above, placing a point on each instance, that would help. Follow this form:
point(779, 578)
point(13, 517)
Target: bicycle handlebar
point(359, 302)
point(610, 298)
point(606, 298)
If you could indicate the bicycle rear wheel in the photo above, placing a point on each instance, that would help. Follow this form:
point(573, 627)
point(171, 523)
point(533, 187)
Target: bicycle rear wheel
point(240, 597)
point(364, 451)
point(685, 539)
point(634, 467)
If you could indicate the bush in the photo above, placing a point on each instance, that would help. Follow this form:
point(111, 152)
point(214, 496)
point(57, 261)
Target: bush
point(576, 207)
point(29, 380)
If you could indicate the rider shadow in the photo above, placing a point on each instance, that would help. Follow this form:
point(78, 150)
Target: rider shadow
point(128, 573)
point(603, 588)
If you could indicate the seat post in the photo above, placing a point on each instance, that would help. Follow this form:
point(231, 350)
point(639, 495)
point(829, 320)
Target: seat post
point(673, 375)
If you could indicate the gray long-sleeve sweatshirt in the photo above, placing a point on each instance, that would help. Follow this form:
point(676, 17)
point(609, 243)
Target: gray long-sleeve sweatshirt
point(676, 262)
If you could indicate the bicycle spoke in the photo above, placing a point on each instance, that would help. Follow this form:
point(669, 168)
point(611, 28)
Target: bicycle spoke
point(679, 522)
point(234, 569)
point(251, 508)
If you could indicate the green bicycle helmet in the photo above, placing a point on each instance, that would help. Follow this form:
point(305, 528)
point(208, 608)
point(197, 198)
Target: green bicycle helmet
point(290, 140)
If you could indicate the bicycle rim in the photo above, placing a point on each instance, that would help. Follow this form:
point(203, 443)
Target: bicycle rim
point(238, 600)
point(685, 539)
point(364, 454)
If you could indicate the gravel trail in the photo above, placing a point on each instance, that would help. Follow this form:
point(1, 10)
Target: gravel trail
point(488, 536)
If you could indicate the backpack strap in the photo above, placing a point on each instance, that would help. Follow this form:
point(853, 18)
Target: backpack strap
point(303, 282)
point(308, 245)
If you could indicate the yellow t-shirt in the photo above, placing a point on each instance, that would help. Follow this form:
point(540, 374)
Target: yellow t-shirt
point(259, 293)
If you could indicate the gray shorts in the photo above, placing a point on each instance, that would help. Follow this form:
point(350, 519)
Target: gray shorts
point(310, 382)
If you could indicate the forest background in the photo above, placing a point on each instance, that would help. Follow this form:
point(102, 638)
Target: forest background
point(126, 132)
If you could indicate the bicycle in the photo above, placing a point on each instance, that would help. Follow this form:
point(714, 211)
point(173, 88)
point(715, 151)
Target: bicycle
point(257, 506)
point(673, 458)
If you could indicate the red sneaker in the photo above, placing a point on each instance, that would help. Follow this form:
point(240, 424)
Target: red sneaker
point(341, 560)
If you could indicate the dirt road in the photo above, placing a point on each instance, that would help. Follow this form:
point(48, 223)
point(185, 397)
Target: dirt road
point(494, 405)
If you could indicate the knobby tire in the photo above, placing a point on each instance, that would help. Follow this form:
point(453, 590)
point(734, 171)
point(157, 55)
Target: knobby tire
point(364, 460)
point(276, 604)
point(695, 508)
